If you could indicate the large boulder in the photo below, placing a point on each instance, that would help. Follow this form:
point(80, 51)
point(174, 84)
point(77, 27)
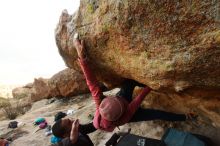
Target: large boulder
point(164, 44)
point(40, 89)
point(66, 83)
point(21, 92)
point(35, 91)
point(171, 46)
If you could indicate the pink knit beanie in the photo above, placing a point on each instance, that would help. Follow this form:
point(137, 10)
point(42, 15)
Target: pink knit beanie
point(111, 108)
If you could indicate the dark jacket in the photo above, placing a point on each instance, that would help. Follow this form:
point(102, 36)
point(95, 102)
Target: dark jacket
point(83, 139)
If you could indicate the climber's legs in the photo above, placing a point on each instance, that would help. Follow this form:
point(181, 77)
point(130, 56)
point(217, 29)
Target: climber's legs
point(152, 114)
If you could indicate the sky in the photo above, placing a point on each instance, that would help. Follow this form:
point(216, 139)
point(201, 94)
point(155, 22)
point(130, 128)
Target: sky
point(27, 43)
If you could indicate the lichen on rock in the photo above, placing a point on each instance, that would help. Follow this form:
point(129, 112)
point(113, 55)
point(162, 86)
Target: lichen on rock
point(171, 46)
point(180, 40)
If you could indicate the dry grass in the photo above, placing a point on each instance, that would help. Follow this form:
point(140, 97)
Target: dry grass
point(11, 112)
point(4, 102)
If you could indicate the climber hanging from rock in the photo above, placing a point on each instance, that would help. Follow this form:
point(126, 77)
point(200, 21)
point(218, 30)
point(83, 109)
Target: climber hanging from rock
point(120, 109)
point(112, 111)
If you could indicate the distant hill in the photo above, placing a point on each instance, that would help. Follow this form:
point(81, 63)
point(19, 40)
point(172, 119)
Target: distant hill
point(5, 90)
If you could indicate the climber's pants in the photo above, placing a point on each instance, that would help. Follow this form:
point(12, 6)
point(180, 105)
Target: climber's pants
point(141, 114)
point(127, 88)
point(153, 114)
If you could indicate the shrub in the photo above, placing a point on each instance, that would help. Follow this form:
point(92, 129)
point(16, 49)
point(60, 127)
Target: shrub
point(4, 102)
point(20, 96)
point(11, 112)
point(23, 108)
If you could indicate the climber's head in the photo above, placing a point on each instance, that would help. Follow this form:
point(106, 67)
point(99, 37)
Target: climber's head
point(111, 108)
point(62, 127)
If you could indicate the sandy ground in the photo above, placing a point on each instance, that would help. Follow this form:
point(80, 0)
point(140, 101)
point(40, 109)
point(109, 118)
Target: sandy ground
point(83, 106)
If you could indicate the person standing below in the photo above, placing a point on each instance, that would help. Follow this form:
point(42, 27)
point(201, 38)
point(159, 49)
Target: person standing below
point(114, 111)
point(72, 133)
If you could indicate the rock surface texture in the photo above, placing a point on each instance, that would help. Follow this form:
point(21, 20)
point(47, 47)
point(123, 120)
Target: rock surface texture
point(164, 44)
point(66, 83)
point(171, 46)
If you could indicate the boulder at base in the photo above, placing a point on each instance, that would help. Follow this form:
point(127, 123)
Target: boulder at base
point(66, 83)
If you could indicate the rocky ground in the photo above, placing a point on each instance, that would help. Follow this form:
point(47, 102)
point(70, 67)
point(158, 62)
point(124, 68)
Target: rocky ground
point(83, 107)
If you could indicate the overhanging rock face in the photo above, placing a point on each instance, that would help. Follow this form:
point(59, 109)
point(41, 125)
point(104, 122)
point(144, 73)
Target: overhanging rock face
point(171, 45)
